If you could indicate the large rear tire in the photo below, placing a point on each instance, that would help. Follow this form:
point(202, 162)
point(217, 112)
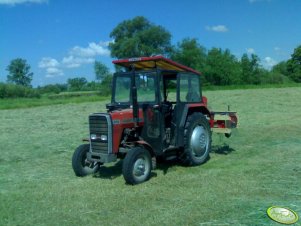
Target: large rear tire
point(197, 140)
point(137, 166)
point(81, 166)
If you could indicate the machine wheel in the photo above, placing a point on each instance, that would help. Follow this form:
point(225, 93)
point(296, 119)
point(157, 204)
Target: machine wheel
point(137, 166)
point(197, 140)
point(80, 164)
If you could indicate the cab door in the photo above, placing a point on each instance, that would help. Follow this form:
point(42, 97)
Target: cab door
point(188, 92)
point(147, 84)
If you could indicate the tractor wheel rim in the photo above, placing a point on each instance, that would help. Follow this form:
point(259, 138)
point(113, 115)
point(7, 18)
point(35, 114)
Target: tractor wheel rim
point(199, 141)
point(141, 168)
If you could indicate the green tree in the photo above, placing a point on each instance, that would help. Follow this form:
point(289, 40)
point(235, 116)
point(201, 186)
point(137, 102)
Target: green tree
point(274, 77)
point(76, 84)
point(294, 65)
point(106, 85)
point(52, 88)
point(139, 37)
point(19, 72)
point(247, 70)
point(252, 73)
point(101, 70)
point(222, 67)
point(280, 68)
point(278, 74)
point(190, 53)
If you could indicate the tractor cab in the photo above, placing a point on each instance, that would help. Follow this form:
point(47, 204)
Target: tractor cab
point(164, 91)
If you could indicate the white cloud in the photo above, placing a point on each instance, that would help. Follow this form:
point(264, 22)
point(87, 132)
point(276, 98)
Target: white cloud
point(51, 67)
point(269, 62)
point(86, 55)
point(92, 50)
point(250, 50)
point(47, 62)
point(76, 57)
point(53, 72)
point(74, 62)
point(15, 2)
point(217, 28)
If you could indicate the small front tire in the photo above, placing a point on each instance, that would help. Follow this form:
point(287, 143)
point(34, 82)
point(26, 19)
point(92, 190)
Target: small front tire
point(80, 164)
point(137, 166)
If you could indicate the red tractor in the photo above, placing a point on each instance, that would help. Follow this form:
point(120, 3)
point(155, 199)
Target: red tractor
point(157, 111)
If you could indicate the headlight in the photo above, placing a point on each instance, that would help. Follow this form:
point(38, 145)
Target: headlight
point(104, 137)
point(93, 136)
point(97, 137)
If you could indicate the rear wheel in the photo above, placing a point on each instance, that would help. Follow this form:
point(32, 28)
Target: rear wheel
point(197, 140)
point(137, 166)
point(80, 163)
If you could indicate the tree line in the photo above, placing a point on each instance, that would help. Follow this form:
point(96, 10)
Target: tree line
point(19, 82)
point(139, 37)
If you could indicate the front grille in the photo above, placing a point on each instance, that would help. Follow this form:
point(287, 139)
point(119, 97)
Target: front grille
point(100, 125)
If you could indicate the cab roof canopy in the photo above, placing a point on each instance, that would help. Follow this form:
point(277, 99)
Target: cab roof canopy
point(153, 62)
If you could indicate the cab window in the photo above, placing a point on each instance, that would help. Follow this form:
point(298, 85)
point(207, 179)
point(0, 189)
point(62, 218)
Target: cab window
point(146, 86)
point(190, 88)
point(123, 89)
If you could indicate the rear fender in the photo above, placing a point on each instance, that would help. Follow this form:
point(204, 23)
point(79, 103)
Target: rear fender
point(191, 108)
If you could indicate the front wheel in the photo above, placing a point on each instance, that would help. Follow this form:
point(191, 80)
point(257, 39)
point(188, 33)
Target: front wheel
point(80, 163)
point(197, 140)
point(137, 166)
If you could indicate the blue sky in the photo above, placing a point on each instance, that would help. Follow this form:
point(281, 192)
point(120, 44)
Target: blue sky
point(61, 39)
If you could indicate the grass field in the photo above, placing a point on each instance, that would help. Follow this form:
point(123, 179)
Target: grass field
point(258, 167)
point(47, 100)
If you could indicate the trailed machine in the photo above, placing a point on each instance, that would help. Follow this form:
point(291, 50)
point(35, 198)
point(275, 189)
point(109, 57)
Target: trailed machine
point(157, 111)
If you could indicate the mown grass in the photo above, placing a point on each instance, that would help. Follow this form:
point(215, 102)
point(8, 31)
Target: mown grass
point(256, 168)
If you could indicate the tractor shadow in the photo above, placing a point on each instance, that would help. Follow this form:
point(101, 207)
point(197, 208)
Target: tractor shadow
point(167, 165)
point(223, 149)
point(109, 172)
point(114, 171)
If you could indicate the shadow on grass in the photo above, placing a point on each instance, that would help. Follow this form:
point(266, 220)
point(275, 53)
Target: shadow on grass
point(109, 172)
point(223, 149)
point(114, 171)
point(165, 165)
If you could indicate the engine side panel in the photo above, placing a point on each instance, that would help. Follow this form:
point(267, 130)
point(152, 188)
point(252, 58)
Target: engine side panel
point(123, 119)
